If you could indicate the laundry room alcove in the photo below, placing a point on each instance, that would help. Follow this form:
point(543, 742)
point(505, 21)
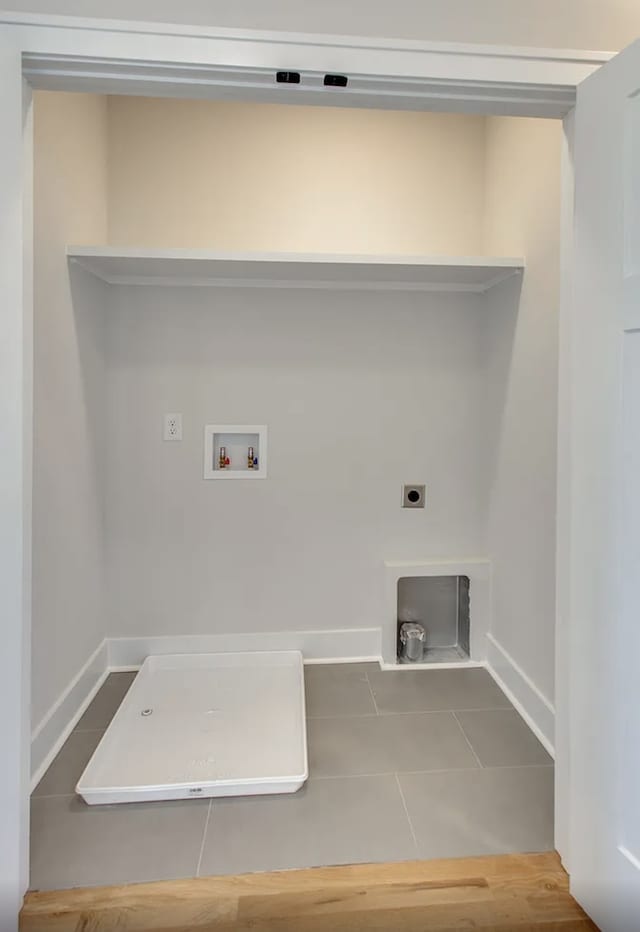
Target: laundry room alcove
point(372, 312)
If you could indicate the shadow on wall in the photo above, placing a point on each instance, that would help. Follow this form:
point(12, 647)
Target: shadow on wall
point(68, 478)
point(500, 335)
point(88, 300)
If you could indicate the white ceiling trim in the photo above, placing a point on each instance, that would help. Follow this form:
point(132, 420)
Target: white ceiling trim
point(226, 83)
point(121, 57)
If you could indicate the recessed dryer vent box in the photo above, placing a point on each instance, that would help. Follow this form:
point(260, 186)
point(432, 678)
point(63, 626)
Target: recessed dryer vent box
point(441, 605)
point(236, 439)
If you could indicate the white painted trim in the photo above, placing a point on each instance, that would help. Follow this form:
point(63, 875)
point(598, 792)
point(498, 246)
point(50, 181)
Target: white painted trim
point(53, 730)
point(563, 511)
point(478, 569)
point(107, 252)
point(531, 703)
point(320, 661)
point(304, 284)
point(308, 662)
point(341, 645)
point(126, 57)
point(453, 665)
point(16, 414)
point(117, 265)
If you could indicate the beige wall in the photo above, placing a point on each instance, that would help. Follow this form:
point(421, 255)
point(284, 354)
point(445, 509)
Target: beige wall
point(583, 24)
point(523, 217)
point(70, 175)
point(272, 177)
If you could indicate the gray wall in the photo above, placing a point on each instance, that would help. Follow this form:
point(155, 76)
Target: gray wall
point(69, 394)
point(360, 391)
point(523, 214)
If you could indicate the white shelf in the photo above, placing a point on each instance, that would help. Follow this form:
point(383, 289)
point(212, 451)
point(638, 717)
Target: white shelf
point(132, 266)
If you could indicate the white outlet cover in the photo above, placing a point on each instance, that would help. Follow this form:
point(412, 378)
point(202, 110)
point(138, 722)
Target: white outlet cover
point(173, 427)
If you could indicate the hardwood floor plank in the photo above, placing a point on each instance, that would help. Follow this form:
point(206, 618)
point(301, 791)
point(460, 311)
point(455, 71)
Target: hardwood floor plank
point(522, 893)
point(360, 899)
point(414, 920)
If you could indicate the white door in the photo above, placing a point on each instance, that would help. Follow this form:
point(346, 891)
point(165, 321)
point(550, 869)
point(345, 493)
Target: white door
point(604, 574)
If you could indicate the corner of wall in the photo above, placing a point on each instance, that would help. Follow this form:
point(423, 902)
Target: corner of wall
point(522, 214)
point(53, 730)
point(70, 205)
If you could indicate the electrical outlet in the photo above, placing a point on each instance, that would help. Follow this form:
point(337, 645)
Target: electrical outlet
point(413, 496)
point(173, 427)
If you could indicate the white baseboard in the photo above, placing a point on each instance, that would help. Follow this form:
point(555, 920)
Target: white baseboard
point(531, 703)
point(318, 661)
point(308, 662)
point(451, 665)
point(56, 726)
point(337, 646)
point(348, 644)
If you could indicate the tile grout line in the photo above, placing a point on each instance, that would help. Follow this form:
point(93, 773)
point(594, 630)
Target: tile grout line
point(464, 734)
point(404, 773)
point(352, 776)
point(204, 837)
point(406, 812)
point(519, 767)
point(410, 712)
point(53, 796)
point(375, 704)
point(317, 718)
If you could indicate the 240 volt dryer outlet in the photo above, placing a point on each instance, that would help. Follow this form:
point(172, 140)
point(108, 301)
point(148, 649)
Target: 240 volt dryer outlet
point(414, 496)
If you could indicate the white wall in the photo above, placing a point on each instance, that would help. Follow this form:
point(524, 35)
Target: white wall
point(582, 24)
point(360, 392)
point(270, 177)
point(523, 217)
point(69, 394)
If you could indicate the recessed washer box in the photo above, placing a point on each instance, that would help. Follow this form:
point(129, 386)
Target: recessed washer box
point(236, 440)
point(202, 725)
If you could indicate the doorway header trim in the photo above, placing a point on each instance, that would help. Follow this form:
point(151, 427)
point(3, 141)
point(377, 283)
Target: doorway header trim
point(157, 59)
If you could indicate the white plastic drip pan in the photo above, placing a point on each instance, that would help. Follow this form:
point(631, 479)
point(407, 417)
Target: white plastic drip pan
point(199, 725)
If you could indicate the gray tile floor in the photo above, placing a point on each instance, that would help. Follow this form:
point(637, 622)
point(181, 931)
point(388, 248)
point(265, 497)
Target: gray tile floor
point(403, 764)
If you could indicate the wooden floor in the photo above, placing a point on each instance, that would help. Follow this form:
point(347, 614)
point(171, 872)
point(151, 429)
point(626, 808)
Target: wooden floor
point(513, 892)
